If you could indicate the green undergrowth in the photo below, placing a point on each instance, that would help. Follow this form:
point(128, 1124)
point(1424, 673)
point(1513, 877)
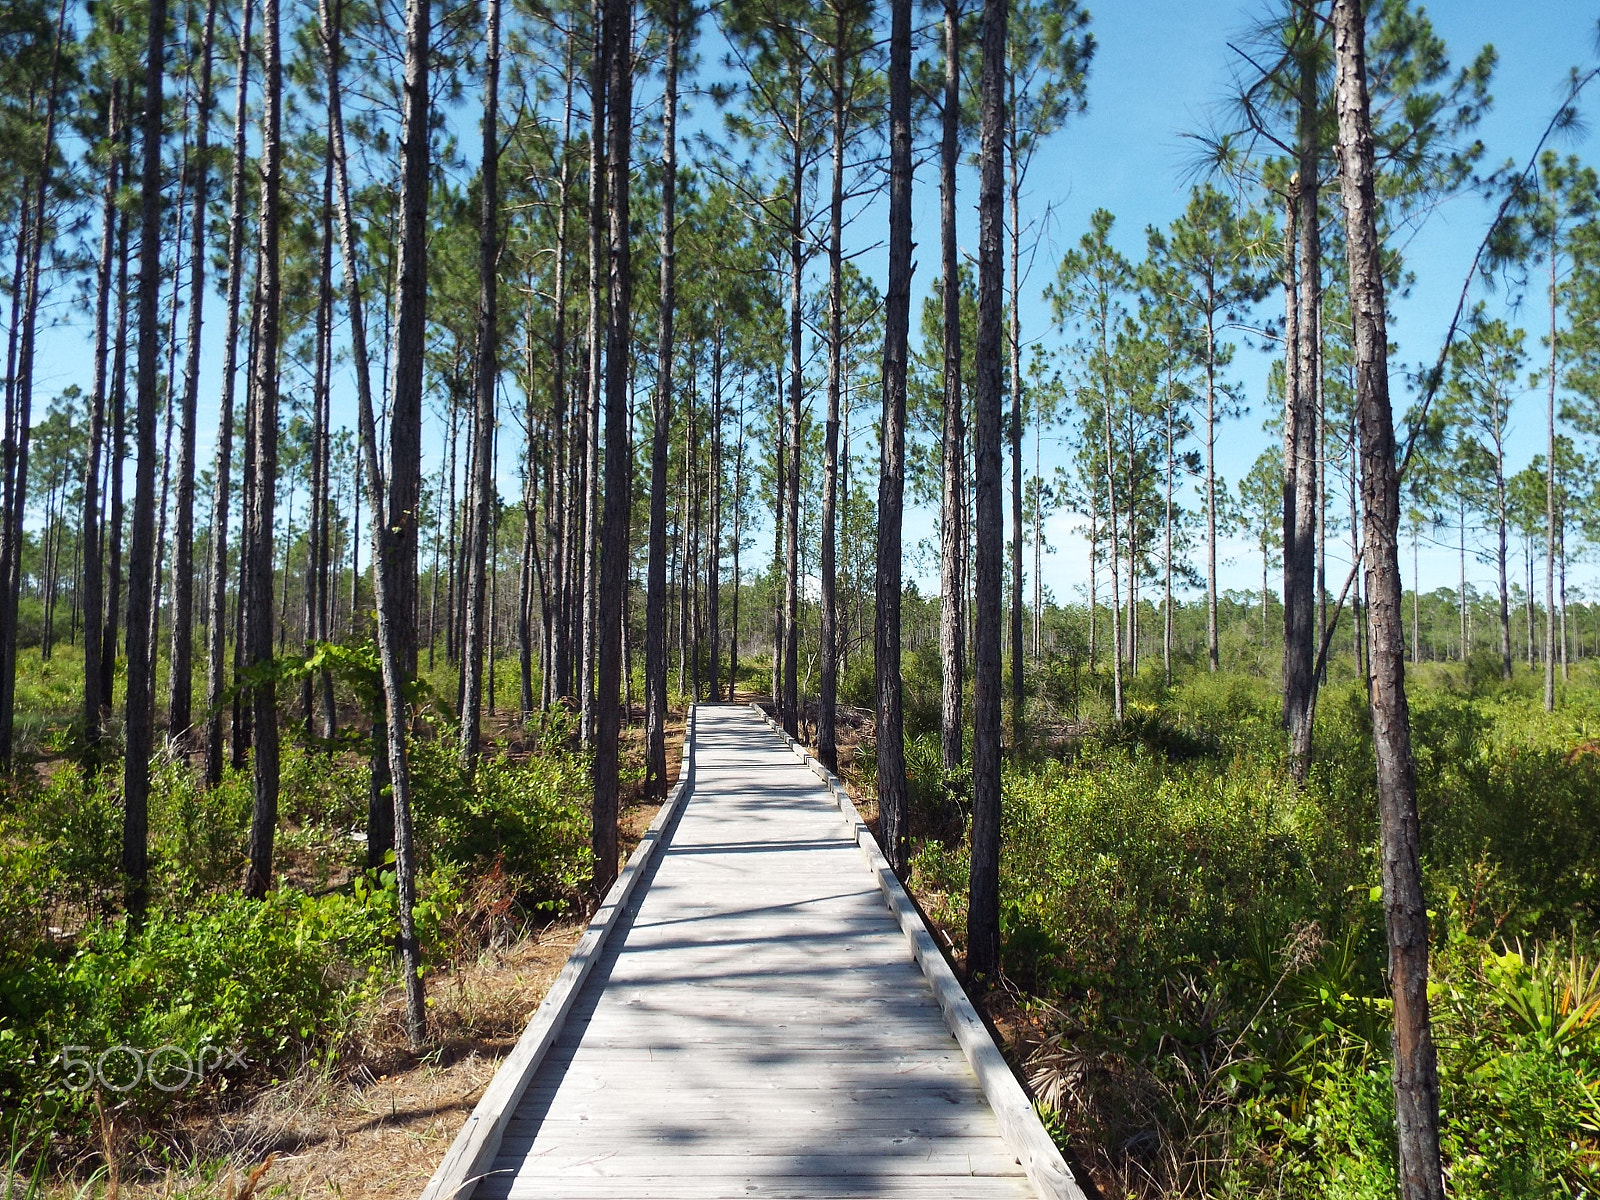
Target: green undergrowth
point(1195, 951)
point(209, 992)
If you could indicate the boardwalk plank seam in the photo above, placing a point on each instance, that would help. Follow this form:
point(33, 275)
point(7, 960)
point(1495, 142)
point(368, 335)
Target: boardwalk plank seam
point(475, 1147)
point(1020, 1126)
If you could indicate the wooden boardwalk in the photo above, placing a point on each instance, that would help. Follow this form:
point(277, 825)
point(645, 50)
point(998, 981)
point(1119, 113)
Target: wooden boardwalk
point(754, 1023)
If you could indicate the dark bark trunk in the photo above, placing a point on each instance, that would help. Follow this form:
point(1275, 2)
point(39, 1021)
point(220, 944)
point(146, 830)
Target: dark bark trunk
point(486, 376)
point(1416, 1080)
point(655, 636)
point(217, 575)
point(597, 332)
point(181, 668)
point(983, 908)
point(119, 448)
point(953, 508)
point(1300, 423)
point(714, 533)
point(1550, 506)
point(614, 533)
point(791, 565)
point(397, 566)
point(95, 700)
point(261, 485)
point(1018, 690)
point(892, 795)
point(139, 724)
point(827, 733)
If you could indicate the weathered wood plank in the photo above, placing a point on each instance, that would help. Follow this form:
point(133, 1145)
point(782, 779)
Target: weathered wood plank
point(755, 1026)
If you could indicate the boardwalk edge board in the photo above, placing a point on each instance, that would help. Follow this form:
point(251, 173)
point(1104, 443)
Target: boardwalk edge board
point(472, 1153)
point(1019, 1123)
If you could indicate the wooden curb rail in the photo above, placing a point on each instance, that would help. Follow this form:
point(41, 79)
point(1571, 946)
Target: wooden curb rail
point(1020, 1126)
point(475, 1147)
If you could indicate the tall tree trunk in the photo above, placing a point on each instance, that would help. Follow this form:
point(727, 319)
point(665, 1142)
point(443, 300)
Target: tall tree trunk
point(983, 907)
point(558, 536)
point(1416, 1079)
point(398, 564)
point(714, 532)
point(181, 669)
point(827, 711)
point(1018, 690)
point(1501, 522)
point(614, 533)
point(1299, 464)
point(1111, 514)
point(316, 526)
point(139, 722)
point(216, 576)
point(1550, 505)
point(952, 446)
point(791, 566)
point(119, 451)
point(1213, 653)
point(95, 700)
point(738, 540)
point(486, 376)
point(597, 333)
point(387, 744)
point(261, 486)
point(892, 795)
point(655, 616)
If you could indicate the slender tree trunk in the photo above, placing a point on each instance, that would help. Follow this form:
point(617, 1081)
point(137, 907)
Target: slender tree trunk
point(1299, 531)
point(1416, 1079)
point(1166, 554)
point(486, 377)
point(1501, 522)
point(791, 572)
point(597, 333)
point(398, 544)
point(827, 711)
point(261, 487)
point(181, 669)
point(655, 616)
point(1550, 506)
point(139, 723)
point(1111, 515)
point(313, 603)
point(558, 536)
point(952, 446)
point(1461, 532)
point(714, 530)
point(95, 700)
point(738, 540)
point(983, 909)
point(1213, 656)
point(777, 540)
point(119, 450)
point(892, 794)
point(388, 731)
point(615, 533)
point(1018, 415)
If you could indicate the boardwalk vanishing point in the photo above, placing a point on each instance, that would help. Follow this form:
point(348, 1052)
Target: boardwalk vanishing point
point(756, 1010)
